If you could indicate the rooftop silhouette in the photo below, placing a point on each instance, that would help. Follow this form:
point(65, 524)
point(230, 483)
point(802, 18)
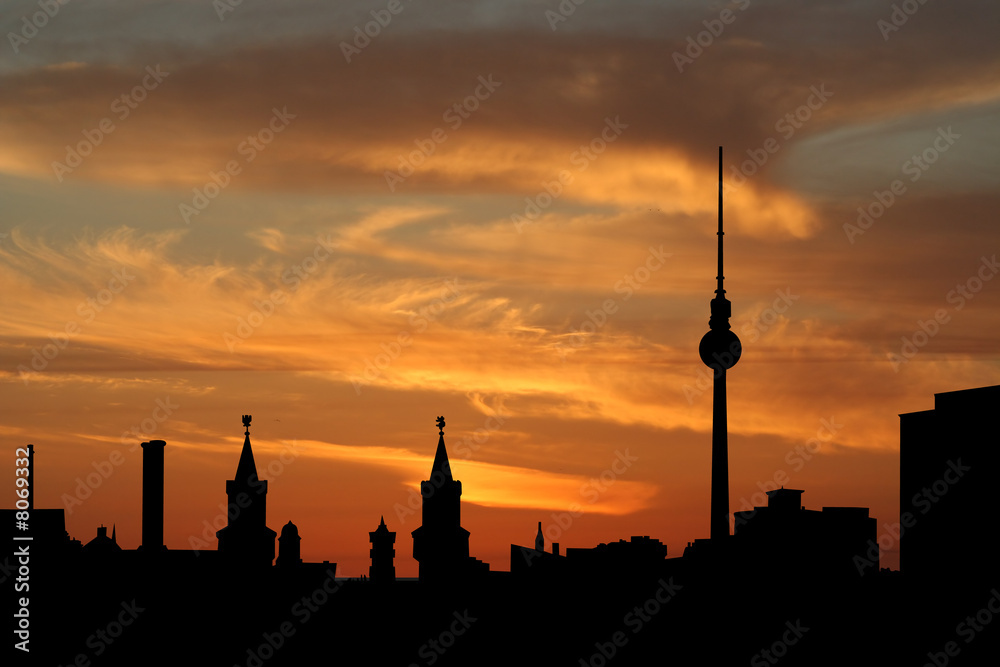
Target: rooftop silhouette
point(808, 575)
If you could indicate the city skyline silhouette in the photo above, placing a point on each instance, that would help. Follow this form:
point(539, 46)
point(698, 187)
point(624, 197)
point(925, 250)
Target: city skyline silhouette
point(824, 562)
point(814, 565)
point(343, 221)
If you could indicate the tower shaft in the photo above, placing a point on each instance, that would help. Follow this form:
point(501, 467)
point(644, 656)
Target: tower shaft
point(720, 461)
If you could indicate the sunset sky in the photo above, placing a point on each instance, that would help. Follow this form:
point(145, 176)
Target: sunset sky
point(503, 213)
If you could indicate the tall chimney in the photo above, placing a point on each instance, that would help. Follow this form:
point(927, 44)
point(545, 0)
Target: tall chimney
point(152, 496)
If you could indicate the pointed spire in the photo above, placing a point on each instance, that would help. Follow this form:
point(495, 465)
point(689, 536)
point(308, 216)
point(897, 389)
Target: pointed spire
point(382, 528)
point(114, 533)
point(246, 469)
point(441, 463)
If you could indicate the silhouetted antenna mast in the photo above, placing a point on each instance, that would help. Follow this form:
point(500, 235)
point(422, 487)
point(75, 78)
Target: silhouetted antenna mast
point(720, 291)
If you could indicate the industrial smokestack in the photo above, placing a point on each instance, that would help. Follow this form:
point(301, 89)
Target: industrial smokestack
point(152, 496)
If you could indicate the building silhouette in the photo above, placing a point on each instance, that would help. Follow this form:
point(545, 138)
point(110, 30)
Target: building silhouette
point(246, 539)
point(440, 544)
point(534, 563)
point(947, 456)
point(47, 526)
point(289, 549)
point(383, 553)
point(102, 545)
point(785, 539)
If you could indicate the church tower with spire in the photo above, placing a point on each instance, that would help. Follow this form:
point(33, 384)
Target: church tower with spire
point(247, 539)
point(382, 570)
point(720, 349)
point(440, 544)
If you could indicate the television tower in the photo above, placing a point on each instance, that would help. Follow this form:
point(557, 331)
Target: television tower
point(720, 349)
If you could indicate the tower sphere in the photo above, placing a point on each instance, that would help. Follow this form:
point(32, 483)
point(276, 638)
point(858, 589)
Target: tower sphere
point(720, 349)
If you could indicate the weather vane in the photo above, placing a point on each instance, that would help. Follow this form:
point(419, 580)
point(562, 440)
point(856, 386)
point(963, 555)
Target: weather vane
point(440, 425)
point(246, 423)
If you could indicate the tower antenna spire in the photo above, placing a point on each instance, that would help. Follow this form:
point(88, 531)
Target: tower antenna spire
point(720, 290)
